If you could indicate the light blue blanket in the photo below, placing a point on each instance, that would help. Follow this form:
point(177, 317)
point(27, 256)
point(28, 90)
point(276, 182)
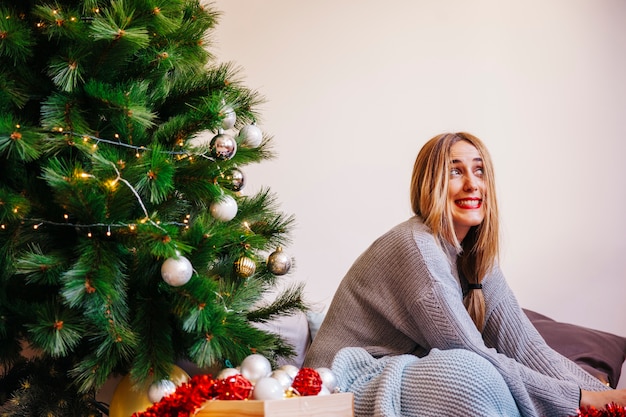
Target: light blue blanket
point(443, 383)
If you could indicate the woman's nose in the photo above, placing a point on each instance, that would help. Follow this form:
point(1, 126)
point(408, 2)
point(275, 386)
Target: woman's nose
point(471, 183)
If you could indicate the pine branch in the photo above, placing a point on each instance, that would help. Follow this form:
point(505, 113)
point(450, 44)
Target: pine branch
point(56, 331)
point(16, 40)
point(288, 302)
point(15, 142)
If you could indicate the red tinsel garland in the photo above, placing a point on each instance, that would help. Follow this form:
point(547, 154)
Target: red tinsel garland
point(611, 410)
point(185, 400)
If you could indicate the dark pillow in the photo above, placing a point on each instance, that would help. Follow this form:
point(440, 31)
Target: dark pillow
point(599, 353)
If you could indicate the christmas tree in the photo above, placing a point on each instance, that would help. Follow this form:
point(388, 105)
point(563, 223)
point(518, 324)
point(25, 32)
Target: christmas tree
point(125, 242)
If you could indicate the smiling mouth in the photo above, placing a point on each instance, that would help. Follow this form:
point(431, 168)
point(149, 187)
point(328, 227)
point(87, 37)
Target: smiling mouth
point(472, 203)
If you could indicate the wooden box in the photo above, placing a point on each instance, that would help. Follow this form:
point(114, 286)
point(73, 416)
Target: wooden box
point(334, 405)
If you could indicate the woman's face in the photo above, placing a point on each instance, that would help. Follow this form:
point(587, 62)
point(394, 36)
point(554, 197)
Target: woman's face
point(466, 187)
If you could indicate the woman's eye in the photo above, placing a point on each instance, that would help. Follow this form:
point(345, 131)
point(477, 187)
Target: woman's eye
point(480, 172)
point(455, 172)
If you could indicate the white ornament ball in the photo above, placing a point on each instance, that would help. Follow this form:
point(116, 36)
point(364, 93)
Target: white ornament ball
point(255, 367)
point(328, 378)
point(160, 389)
point(251, 136)
point(291, 370)
point(324, 391)
point(282, 377)
point(224, 209)
point(176, 271)
point(227, 373)
point(268, 389)
point(229, 117)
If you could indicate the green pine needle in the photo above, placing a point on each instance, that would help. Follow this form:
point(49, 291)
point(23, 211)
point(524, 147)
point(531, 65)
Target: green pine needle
point(13, 207)
point(66, 73)
point(16, 41)
point(115, 25)
point(17, 141)
point(158, 182)
point(40, 268)
point(55, 331)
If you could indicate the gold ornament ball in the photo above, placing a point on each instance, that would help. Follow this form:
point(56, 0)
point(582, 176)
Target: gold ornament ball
point(279, 262)
point(245, 267)
point(127, 399)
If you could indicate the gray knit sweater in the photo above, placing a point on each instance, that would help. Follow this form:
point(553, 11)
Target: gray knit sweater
point(402, 295)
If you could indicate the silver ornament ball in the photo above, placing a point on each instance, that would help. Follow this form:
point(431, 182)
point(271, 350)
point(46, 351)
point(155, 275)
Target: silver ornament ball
point(255, 367)
point(160, 389)
point(228, 117)
point(234, 180)
point(267, 389)
point(223, 146)
point(291, 370)
point(282, 377)
point(176, 271)
point(250, 136)
point(227, 373)
point(224, 209)
point(328, 378)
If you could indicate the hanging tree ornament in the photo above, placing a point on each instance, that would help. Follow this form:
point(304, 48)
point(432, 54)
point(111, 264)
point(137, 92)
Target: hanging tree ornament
point(223, 146)
point(250, 136)
point(224, 209)
point(228, 117)
point(233, 180)
point(176, 271)
point(245, 267)
point(279, 262)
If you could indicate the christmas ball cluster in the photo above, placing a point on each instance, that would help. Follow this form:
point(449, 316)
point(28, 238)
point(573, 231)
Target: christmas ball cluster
point(223, 146)
point(231, 384)
point(267, 384)
point(177, 271)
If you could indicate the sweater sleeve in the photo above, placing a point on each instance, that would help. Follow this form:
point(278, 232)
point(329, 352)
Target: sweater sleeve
point(510, 331)
point(539, 386)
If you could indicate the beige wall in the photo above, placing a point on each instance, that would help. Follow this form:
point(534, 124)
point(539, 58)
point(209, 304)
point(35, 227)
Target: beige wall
point(355, 87)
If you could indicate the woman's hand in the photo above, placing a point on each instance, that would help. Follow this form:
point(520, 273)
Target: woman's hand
point(600, 399)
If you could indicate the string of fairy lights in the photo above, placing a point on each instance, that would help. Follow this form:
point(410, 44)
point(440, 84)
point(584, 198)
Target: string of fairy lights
point(139, 151)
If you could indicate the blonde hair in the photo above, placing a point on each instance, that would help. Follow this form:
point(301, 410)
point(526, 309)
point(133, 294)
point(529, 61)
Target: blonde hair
point(479, 250)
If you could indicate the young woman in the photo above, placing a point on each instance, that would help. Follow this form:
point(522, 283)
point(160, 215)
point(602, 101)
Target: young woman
point(424, 322)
